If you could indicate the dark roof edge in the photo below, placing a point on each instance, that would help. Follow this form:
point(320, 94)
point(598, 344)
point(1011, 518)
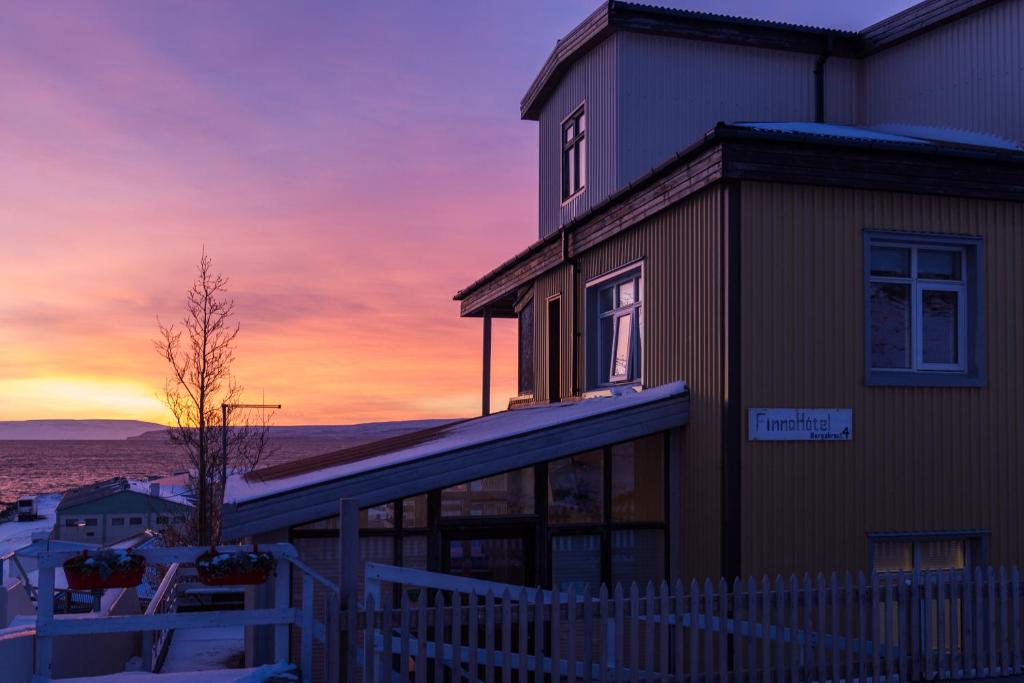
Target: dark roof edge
point(615, 15)
point(723, 132)
point(916, 20)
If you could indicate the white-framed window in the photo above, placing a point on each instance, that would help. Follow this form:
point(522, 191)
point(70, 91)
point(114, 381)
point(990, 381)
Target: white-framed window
point(927, 551)
point(922, 310)
point(615, 328)
point(574, 153)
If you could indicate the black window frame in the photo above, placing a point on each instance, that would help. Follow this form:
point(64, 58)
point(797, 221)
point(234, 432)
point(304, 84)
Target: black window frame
point(534, 525)
point(973, 372)
point(574, 153)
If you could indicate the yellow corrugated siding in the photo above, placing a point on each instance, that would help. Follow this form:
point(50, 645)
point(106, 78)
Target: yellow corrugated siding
point(681, 249)
point(921, 458)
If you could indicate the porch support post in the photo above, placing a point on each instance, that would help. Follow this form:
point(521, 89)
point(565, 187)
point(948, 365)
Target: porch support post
point(486, 399)
point(675, 504)
point(348, 575)
point(348, 550)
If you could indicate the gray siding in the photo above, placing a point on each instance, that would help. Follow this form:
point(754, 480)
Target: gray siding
point(681, 249)
point(593, 80)
point(968, 74)
point(921, 459)
point(672, 91)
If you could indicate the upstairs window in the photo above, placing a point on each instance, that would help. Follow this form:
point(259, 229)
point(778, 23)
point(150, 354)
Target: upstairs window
point(923, 310)
point(615, 323)
point(574, 153)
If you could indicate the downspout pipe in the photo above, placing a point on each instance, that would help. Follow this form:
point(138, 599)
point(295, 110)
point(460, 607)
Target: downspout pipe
point(819, 80)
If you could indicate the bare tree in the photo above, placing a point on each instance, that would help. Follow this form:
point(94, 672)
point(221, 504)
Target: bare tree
point(200, 350)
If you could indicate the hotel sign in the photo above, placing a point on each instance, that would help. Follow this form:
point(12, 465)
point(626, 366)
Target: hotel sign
point(800, 424)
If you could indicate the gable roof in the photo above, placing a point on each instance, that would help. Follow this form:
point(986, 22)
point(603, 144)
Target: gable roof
point(451, 454)
point(90, 493)
point(614, 15)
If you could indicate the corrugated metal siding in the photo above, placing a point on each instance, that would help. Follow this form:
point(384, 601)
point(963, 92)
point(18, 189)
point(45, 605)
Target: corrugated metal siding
point(968, 74)
point(672, 91)
point(844, 95)
point(592, 79)
point(681, 251)
point(921, 458)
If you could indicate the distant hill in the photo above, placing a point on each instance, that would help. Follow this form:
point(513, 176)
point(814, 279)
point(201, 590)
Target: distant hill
point(72, 430)
point(360, 433)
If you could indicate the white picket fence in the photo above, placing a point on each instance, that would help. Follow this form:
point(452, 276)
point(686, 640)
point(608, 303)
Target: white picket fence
point(844, 627)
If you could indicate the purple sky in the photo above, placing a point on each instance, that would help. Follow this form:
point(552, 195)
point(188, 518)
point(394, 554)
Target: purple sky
point(348, 165)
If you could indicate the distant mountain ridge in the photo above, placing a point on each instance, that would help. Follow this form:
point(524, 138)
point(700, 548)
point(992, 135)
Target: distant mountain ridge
point(116, 430)
point(73, 430)
point(363, 431)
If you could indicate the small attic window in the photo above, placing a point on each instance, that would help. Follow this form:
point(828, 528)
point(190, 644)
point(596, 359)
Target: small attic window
point(574, 153)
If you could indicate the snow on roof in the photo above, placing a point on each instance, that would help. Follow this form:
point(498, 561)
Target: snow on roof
point(469, 433)
point(258, 675)
point(892, 133)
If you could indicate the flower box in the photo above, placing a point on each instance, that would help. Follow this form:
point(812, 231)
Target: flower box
point(104, 569)
point(237, 568)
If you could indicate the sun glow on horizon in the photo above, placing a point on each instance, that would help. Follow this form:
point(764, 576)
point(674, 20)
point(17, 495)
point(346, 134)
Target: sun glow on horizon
point(79, 398)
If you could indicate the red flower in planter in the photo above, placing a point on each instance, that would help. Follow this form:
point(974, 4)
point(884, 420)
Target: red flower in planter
point(237, 568)
point(104, 569)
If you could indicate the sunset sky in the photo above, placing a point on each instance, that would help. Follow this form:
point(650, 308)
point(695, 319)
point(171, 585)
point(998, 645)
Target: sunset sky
point(348, 165)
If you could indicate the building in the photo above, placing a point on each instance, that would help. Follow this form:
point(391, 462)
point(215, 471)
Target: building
point(767, 326)
point(112, 510)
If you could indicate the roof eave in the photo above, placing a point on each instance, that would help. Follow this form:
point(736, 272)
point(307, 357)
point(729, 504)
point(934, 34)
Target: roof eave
point(318, 501)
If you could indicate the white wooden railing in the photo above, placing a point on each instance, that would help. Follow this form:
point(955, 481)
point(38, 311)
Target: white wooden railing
point(160, 619)
point(874, 628)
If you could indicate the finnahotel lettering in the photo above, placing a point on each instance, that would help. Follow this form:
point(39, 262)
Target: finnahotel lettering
point(800, 424)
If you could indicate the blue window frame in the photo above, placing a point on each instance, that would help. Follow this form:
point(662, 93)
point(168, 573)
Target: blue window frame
point(923, 310)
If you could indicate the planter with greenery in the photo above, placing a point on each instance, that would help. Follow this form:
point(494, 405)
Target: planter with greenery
point(104, 569)
point(236, 568)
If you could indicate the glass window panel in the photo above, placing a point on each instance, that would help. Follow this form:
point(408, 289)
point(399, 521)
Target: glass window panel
point(638, 480)
point(623, 338)
point(606, 299)
point(489, 559)
point(638, 555)
point(939, 324)
point(576, 489)
point(576, 561)
point(893, 556)
point(890, 325)
point(582, 122)
point(414, 552)
point(510, 493)
point(414, 512)
point(942, 554)
point(935, 264)
point(890, 261)
point(627, 293)
point(377, 517)
point(606, 331)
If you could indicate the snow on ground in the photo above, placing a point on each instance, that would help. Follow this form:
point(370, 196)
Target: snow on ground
point(15, 535)
point(204, 649)
point(258, 675)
